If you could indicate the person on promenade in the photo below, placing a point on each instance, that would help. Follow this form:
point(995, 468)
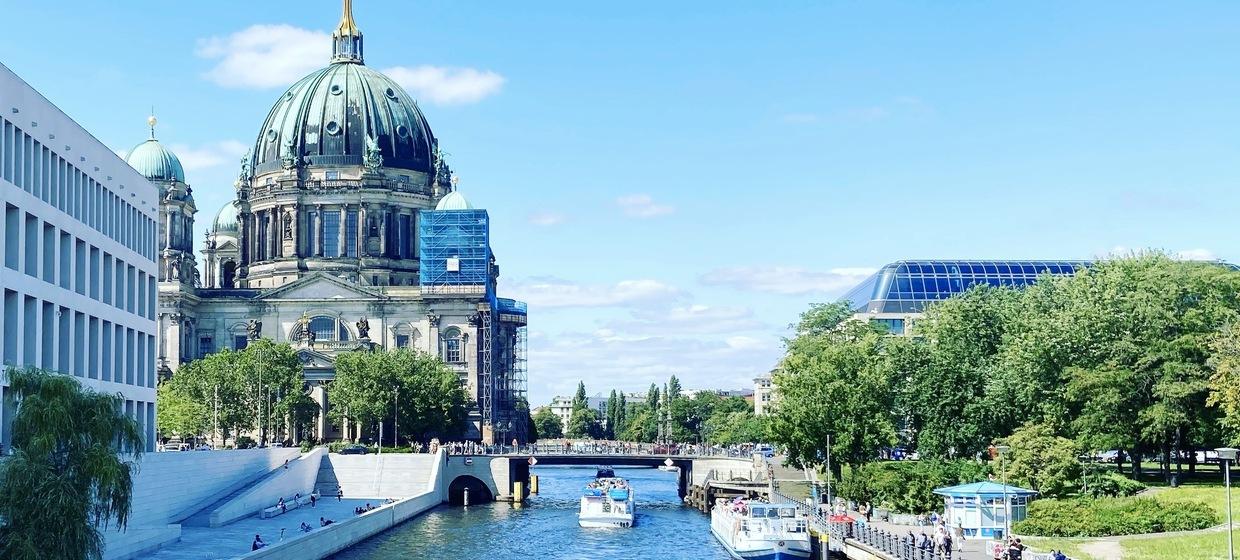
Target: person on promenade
point(258, 543)
point(314, 498)
point(283, 508)
point(339, 493)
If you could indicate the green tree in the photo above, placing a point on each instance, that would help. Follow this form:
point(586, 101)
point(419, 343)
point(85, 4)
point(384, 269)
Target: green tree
point(833, 387)
point(413, 389)
point(613, 415)
point(641, 424)
point(66, 477)
point(622, 415)
point(579, 398)
point(652, 397)
point(1041, 460)
point(1225, 379)
point(180, 412)
point(673, 388)
point(547, 424)
point(584, 423)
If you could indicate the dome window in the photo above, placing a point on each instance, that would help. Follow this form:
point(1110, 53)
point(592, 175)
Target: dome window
point(402, 131)
point(272, 134)
point(288, 95)
point(332, 128)
point(336, 89)
point(391, 93)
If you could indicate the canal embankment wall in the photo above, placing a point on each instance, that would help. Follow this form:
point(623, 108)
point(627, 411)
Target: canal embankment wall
point(298, 478)
point(358, 473)
point(170, 486)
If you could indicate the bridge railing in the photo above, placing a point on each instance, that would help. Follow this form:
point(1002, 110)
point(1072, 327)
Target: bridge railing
point(890, 544)
point(590, 447)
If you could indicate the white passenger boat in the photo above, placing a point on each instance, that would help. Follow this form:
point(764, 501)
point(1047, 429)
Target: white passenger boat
point(753, 530)
point(607, 502)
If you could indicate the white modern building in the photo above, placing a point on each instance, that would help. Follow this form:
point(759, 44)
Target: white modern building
point(763, 393)
point(562, 407)
point(79, 254)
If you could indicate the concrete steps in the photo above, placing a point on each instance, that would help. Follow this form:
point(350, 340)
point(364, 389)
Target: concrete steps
point(375, 476)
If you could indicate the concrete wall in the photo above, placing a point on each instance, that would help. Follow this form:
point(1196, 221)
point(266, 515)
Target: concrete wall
point(725, 468)
point(171, 486)
point(394, 475)
point(324, 542)
point(492, 471)
point(299, 478)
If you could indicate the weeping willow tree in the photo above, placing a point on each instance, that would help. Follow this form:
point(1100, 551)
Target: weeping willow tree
point(66, 480)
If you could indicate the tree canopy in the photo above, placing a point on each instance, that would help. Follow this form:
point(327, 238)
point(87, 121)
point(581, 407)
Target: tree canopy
point(66, 477)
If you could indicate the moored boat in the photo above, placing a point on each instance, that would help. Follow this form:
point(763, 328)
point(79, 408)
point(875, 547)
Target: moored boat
point(753, 530)
point(607, 502)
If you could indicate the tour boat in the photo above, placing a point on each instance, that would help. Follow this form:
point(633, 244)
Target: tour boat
point(607, 502)
point(669, 468)
point(753, 530)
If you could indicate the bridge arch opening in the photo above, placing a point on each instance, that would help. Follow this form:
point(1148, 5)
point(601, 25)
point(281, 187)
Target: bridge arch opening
point(479, 493)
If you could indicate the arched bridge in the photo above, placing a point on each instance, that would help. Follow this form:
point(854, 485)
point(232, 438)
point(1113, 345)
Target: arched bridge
point(501, 466)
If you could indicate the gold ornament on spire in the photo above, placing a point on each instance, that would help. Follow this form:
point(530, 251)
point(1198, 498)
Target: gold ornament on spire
point(347, 27)
point(150, 121)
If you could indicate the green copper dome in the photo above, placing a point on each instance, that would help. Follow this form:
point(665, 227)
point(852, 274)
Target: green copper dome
point(155, 162)
point(332, 116)
point(328, 117)
point(226, 220)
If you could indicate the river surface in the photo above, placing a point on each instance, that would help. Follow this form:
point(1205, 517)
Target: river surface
point(546, 526)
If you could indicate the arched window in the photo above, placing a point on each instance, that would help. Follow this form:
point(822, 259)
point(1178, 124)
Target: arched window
point(405, 336)
point(451, 350)
point(326, 327)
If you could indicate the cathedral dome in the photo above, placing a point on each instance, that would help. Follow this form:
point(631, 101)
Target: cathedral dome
point(454, 201)
point(154, 161)
point(226, 220)
point(331, 116)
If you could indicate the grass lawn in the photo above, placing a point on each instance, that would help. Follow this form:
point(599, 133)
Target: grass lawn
point(1201, 546)
point(1069, 546)
point(1204, 546)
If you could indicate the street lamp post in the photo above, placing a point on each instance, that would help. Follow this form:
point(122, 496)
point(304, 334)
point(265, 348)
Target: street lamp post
point(1007, 510)
point(1227, 455)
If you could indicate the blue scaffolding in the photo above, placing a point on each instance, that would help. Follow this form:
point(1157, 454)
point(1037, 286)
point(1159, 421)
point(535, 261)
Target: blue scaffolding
point(454, 248)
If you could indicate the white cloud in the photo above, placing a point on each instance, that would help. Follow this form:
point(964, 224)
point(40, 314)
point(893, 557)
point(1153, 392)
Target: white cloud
point(609, 359)
point(447, 86)
point(1196, 255)
point(689, 319)
point(546, 218)
point(194, 158)
point(786, 280)
point(264, 56)
point(547, 293)
point(642, 206)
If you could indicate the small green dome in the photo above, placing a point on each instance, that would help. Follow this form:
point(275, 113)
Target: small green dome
point(454, 201)
point(155, 162)
point(226, 220)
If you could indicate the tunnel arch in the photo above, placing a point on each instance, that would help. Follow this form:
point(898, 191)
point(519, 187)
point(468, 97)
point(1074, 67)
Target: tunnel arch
point(479, 492)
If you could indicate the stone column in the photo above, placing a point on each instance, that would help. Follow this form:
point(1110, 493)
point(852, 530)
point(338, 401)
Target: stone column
point(319, 394)
point(363, 230)
point(316, 246)
point(243, 232)
point(413, 226)
point(274, 232)
point(167, 231)
point(344, 226)
point(296, 221)
point(383, 227)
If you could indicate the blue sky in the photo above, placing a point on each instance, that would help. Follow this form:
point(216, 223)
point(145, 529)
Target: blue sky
point(670, 184)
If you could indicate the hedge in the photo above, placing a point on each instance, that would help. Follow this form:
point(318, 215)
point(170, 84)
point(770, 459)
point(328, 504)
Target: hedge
point(1106, 517)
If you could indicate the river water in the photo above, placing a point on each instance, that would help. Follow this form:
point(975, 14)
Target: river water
point(546, 527)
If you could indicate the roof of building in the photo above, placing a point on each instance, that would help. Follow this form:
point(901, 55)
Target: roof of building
point(985, 488)
point(334, 115)
point(225, 220)
point(154, 161)
point(454, 201)
point(908, 286)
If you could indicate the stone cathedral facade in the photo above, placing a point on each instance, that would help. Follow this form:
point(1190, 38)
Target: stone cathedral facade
point(346, 233)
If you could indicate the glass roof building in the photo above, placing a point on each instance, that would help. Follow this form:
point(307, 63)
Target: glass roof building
point(904, 288)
